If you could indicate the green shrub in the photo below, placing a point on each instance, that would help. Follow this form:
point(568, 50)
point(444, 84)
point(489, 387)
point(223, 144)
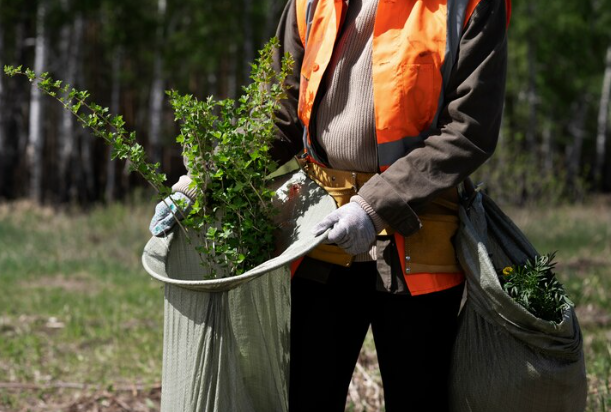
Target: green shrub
point(226, 146)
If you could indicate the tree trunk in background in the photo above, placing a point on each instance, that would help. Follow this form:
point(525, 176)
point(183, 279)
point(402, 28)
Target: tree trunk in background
point(14, 162)
point(603, 122)
point(115, 103)
point(573, 151)
point(85, 191)
point(531, 131)
point(3, 142)
point(20, 95)
point(547, 147)
point(249, 48)
point(156, 100)
point(234, 64)
point(211, 84)
point(36, 131)
point(67, 138)
point(271, 18)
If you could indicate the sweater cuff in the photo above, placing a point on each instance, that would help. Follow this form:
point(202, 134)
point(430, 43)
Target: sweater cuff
point(183, 186)
point(378, 223)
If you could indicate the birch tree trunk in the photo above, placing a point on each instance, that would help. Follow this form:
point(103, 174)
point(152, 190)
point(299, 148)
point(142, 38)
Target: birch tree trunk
point(36, 121)
point(156, 100)
point(573, 152)
point(115, 102)
point(67, 138)
point(603, 122)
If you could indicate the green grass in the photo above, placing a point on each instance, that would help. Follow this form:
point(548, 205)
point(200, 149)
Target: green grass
point(582, 237)
point(77, 307)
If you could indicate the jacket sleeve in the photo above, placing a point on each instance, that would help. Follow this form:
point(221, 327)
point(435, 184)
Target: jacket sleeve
point(289, 131)
point(467, 130)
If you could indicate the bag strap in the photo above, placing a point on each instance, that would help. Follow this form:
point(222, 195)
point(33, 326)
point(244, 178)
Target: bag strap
point(467, 192)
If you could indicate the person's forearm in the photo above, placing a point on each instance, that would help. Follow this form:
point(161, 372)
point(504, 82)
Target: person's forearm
point(468, 126)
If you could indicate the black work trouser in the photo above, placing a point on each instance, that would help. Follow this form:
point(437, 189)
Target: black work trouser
point(413, 337)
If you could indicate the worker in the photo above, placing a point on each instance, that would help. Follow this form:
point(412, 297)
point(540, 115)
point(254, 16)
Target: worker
point(392, 104)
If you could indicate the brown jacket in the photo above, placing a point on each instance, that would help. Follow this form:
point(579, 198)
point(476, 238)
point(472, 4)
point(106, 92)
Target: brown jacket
point(468, 126)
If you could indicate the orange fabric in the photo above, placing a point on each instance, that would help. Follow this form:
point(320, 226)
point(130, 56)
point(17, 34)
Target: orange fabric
point(407, 77)
point(469, 11)
point(300, 11)
point(295, 265)
point(327, 20)
point(423, 283)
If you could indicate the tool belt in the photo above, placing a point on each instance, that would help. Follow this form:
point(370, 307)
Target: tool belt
point(430, 250)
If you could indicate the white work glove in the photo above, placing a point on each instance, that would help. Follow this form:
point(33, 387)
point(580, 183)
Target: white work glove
point(164, 219)
point(352, 229)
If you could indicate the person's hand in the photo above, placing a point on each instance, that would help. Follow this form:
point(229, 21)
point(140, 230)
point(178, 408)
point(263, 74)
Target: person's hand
point(352, 229)
point(164, 219)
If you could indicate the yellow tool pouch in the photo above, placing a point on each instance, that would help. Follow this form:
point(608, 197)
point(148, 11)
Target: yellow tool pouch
point(431, 249)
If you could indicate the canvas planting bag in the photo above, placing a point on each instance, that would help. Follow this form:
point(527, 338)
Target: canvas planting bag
point(505, 359)
point(226, 341)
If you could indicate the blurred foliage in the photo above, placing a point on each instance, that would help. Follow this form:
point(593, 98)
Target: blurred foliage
point(554, 79)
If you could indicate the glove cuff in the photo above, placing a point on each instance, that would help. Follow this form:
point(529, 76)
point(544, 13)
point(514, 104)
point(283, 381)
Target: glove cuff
point(378, 223)
point(183, 186)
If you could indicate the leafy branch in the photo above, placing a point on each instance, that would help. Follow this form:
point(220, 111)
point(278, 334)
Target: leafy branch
point(534, 286)
point(225, 145)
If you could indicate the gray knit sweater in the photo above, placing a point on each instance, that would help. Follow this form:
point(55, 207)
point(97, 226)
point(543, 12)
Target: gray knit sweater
point(345, 122)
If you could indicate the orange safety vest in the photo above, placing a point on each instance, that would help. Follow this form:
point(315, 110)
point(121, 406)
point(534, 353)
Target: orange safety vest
point(415, 44)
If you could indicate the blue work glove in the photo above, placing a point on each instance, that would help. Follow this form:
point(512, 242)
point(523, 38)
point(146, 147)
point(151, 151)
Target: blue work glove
point(352, 229)
point(164, 219)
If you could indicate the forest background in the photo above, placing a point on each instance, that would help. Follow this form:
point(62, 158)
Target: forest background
point(554, 140)
point(81, 328)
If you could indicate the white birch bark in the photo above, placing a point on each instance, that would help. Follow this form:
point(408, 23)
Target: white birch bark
point(67, 139)
point(603, 121)
point(36, 120)
point(156, 100)
point(115, 102)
